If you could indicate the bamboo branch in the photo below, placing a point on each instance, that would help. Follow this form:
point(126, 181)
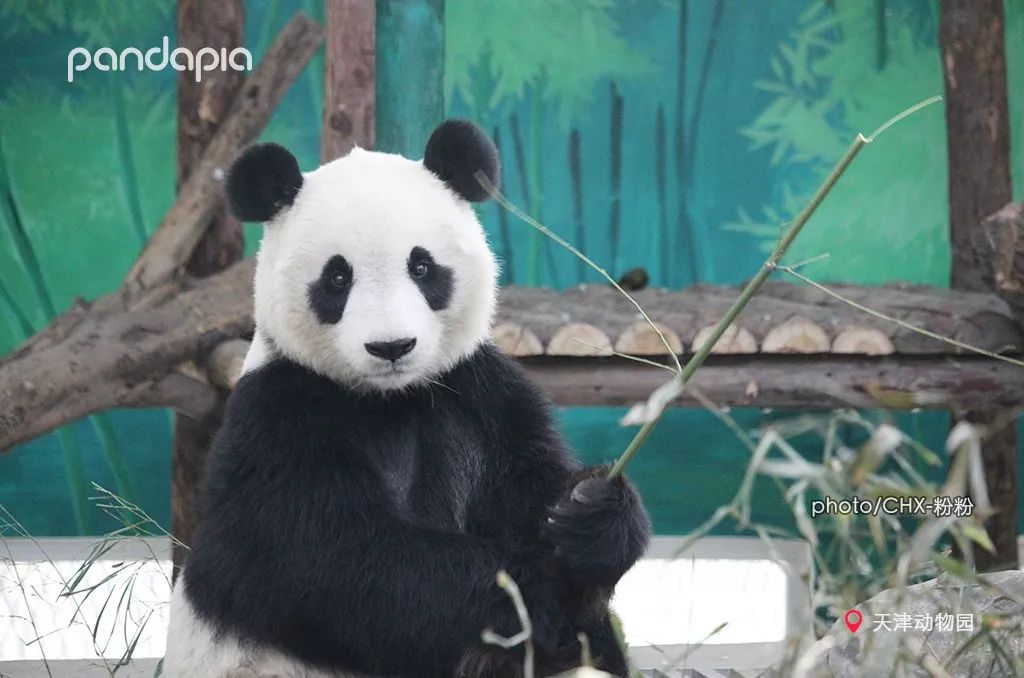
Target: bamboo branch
point(666, 394)
point(525, 635)
point(106, 356)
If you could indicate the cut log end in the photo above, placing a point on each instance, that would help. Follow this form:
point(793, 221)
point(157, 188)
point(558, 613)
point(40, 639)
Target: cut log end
point(642, 339)
point(516, 341)
point(863, 340)
point(735, 339)
point(579, 339)
point(796, 335)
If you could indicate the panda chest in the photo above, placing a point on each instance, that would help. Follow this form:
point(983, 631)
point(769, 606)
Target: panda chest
point(428, 471)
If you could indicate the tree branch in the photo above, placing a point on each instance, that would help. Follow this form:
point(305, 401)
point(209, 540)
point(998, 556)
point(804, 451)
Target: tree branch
point(181, 229)
point(104, 355)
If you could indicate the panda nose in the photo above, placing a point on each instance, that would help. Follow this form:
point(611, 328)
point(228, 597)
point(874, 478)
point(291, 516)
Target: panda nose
point(390, 350)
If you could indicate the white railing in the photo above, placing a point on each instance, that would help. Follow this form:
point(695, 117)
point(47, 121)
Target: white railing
point(670, 606)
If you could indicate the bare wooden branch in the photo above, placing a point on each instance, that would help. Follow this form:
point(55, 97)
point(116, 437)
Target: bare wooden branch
point(175, 239)
point(972, 44)
point(109, 354)
point(579, 339)
point(350, 92)
point(202, 106)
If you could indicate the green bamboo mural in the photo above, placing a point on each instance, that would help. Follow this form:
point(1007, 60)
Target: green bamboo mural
point(526, 187)
point(113, 452)
point(615, 178)
point(128, 174)
point(579, 225)
point(881, 38)
point(673, 135)
point(661, 182)
point(689, 274)
point(72, 453)
point(702, 263)
point(508, 270)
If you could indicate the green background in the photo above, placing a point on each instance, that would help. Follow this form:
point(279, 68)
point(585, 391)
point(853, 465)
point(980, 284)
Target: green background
point(672, 135)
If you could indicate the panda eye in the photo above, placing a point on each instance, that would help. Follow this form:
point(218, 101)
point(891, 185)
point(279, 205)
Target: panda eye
point(419, 269)
point(340, 279)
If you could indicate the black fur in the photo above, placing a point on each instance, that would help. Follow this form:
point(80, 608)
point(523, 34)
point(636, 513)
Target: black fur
point(262, 180)
point(600, 529)
point(438, 282)
point(328, 294)
point(363, 532)
point(455, 151)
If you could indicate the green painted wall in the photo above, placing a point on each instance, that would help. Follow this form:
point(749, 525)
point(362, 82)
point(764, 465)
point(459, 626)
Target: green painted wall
point(671, 134)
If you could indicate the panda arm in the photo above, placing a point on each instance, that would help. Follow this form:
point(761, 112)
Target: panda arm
point(596, 527)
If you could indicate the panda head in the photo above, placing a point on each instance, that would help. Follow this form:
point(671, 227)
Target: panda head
point(373, 269)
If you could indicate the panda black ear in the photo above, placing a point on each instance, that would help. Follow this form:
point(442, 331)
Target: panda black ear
point(455, 151)
point(262, 180)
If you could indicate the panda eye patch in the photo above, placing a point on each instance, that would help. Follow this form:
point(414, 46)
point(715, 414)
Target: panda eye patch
point(329, 292)
point(435, 281)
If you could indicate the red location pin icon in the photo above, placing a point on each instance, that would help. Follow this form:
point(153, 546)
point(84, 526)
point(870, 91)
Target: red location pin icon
point(853, 618)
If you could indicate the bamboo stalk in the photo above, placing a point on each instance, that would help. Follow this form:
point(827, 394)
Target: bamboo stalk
point(663, 396)
point(769, 267)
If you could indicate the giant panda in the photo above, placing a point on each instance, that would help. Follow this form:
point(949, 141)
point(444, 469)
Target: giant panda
point(379, 460)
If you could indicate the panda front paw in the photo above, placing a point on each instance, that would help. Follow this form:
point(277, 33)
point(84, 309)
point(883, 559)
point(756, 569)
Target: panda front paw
point(599, 530)
point(544, 596)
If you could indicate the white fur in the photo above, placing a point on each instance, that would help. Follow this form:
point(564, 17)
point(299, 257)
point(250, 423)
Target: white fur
point(373, 209)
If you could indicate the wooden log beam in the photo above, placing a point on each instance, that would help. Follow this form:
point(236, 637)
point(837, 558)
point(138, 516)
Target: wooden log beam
point(900, 382)
point(980, 319)
point(176, 237)
point(99, 348)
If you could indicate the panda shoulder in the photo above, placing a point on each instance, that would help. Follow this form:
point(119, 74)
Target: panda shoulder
point(494, 378)
point(278, 390)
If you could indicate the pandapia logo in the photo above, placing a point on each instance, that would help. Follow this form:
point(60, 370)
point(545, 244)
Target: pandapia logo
point(157, 58)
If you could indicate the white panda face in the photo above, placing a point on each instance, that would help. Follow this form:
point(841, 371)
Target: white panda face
point(377, 275)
